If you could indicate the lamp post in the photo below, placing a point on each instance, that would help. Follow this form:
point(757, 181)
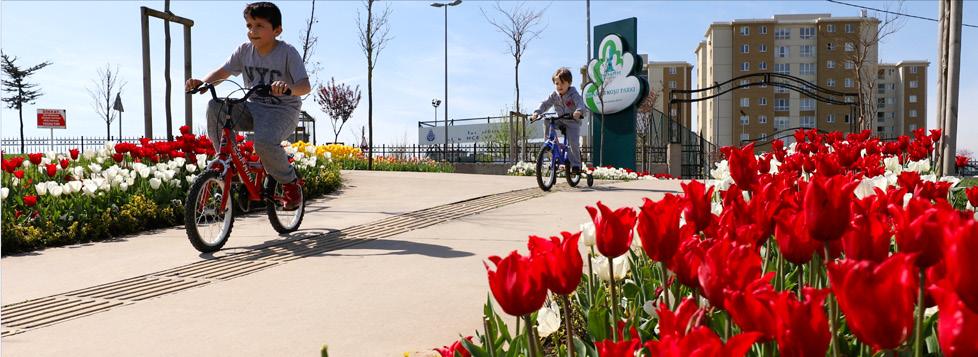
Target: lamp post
point(435, 103)
point(445, 6)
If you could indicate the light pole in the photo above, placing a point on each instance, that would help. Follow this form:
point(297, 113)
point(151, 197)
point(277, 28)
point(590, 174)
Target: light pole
point(446, 5)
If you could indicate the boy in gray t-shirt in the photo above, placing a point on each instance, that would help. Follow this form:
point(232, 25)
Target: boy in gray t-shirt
point(264, 60)
point(565, 99)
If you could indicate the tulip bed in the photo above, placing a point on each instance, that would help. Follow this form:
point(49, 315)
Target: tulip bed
point(835, 245)
point(53, 199)
point(524, 168)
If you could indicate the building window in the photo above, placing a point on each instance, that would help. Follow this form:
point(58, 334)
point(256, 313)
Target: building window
point(807, 104)
point(782, 33)
point(745, 48)
point(673, 112)
point(744, 67)
point(762, 66)
point(879, 129)
point(745, 30)
point(913, 113)
point(848, 83)
point(880, 103)
point(889, 100)
point(744, 120)
point(913, 99)
point(780, 104)
point(672, 84)
point(744, 82)
point(780, 123)
point(913, 69)
point(762, 119)
point(744, 102)
point(744, 136)
point(913, 127)
point(850, 47)
point(780, 89)
point(829, 46)
point(847, 118)
point(807, 51)
point(807, 32)
point(764, 30)
point(913, 84)
point(762, 101)
point(807, 121)
point(830, 64)
point(881, 90)
point(672, 70)
point(807, 69)
point(762, 47)
point(880, 117)
point(849, 28)
point(783, 51)
point(830, 82)
point(830, 28)
point(782, 68)
point(830, 118)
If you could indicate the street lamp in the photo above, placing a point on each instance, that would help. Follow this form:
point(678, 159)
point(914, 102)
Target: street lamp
point(435, 103)
point(446, 5)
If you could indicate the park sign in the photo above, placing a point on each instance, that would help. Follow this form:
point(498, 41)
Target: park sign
point(51, 119)
point(614, 86)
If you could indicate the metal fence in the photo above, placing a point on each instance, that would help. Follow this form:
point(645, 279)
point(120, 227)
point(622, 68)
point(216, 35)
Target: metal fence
point(12, 146)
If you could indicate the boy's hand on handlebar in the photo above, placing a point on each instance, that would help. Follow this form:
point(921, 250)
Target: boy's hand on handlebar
point(278, 88)
point(193, 83)
point(578, 114)
point(533, 117)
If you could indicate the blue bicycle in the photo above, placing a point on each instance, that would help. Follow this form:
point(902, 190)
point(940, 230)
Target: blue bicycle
point(553, 155)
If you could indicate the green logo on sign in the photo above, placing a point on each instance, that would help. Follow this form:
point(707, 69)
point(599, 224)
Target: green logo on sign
point(614, 87)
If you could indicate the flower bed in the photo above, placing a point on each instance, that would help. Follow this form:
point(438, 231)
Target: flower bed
point(524, 168)
point(836, 245)
point(53, 199)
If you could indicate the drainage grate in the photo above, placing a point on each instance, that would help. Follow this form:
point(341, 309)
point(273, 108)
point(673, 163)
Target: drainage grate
point(23, 316)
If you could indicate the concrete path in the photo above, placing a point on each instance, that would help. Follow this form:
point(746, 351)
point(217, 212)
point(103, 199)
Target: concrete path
point(360, 276)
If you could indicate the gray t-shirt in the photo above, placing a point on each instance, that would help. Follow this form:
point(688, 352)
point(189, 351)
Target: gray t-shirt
point(282, 64)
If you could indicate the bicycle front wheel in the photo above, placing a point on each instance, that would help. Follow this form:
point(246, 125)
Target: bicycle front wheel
point(572, 179)
point(546, 169)
point(208, 224)
point(284, 221)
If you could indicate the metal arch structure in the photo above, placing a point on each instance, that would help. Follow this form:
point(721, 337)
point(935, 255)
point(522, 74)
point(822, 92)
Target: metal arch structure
point(698, 156)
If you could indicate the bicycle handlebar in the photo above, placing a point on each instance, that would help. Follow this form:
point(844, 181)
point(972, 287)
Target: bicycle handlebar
point(553, 116)
point(261, 89)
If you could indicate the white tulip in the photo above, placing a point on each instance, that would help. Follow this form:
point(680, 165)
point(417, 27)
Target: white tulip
point(190, 178)
point(56, 191)
point(721, 171)
point(168, 174)
point(953, 180)
point(600, 266)
point(117, 180)
point(14, 182)
point(548, 319)
point(89, 154)
point(95, 168)
point(144, 172)
point(775, 166)
point(4, 192)
point(155, 183)
point(124, 187)
point(130, 180)
point(865, 189)
point(588, 234)
point(45, 160)
point(177, 162)
point(89, 187)
point(892, 164)
point(201, 160)
point(100, 159)
point(41, 188)
point(109, 146)
point(191, 168)
point(310, 150)
point(75, 186)
point(51, 155)
point(921, 166)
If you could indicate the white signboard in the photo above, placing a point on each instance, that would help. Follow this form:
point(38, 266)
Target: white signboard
point(615, 87)
point(477, 133)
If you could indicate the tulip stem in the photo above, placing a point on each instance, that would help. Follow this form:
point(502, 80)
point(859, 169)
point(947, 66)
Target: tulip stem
point(918, 345)
point(531, 339)
point(833, 343)
point(568, 326)
point(590, 278)
point(665, 286)
point(489, 337)
point(614, 303)
point(780, 274)
point(800, 273)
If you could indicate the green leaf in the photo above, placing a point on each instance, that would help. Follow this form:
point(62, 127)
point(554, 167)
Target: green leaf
point(598, 320)
point(476, 351)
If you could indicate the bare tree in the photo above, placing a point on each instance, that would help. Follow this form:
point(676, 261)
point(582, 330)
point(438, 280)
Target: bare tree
point(338, 102)
point(21, 91)
point(102, 92)
point(862, 52)
point(374, 34)
point(309, 42)
point(166, 73)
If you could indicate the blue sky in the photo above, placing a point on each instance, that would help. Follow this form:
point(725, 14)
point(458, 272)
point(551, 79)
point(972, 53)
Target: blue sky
point(81, 36)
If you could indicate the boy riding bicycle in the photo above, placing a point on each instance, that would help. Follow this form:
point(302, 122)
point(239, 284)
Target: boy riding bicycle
point(565, 100)
point(264, 60)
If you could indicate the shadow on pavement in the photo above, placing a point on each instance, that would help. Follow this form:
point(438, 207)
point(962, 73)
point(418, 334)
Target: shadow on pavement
point(403, 247)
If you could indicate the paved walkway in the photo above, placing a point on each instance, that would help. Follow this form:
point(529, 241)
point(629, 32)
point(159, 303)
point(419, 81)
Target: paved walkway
point(391, 264)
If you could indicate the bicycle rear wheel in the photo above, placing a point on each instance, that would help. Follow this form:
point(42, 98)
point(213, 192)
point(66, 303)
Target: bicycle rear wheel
point(208, 226)
point(282, 220)
point(546, 169)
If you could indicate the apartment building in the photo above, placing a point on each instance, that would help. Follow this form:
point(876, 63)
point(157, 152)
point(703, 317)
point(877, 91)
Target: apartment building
point(816, 48)
point(664, 77)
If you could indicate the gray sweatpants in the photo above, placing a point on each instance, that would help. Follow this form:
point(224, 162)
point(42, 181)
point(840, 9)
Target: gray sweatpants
point(573, 138)
point(271, 124)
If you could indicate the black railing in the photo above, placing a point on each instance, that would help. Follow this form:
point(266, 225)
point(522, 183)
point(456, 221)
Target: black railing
point(12, 146)
point(494, 153)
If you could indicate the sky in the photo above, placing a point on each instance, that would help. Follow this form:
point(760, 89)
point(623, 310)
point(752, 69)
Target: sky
point(80, 37)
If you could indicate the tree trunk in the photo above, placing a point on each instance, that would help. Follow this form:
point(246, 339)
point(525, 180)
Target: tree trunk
point(370, 85)
point(20, 111)
point(166, 73)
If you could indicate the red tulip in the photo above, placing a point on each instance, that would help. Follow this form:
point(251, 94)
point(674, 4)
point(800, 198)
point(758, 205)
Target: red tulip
point(960, 161)
point(793, 238)
point(517, 283)
point(961, 259)
point(826, 206)
point(19, 174)
point(686, 263)
point(698, 207)
point(73, 153)
point(184, 129)
point(30, 200)
point(51, 169)
point(869, 236)
point(728, 266)
point(658, 227)
point(957, 325)
point(702, 342)
point(743, 166)
point(612, 230)
point(918, 229)
point(753, 307)
point(564, 265)
point(972, 194)
point(862, 288)
point(64, 163)
point(446, 351)
point(35, 158)
point(611, 348)
point(117, 157)
point(802, 326)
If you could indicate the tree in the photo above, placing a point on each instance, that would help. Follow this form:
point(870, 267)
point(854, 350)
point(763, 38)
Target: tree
point(338, 102)
point(863, 54)
point(374, 34)
point(103, 92)
point(21, 92)
point(520, 25)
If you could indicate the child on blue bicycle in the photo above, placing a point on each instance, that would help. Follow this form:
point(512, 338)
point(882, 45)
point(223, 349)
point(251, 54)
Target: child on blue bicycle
point(566, 100)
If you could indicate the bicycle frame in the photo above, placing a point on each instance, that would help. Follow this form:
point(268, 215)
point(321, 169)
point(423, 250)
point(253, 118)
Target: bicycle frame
point(553, 142)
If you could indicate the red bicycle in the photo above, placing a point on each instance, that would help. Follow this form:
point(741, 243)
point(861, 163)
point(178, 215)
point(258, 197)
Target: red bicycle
point(208, 212)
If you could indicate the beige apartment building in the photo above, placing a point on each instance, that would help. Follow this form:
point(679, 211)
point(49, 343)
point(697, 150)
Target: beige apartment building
point(666, 76)
point(816, 48)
